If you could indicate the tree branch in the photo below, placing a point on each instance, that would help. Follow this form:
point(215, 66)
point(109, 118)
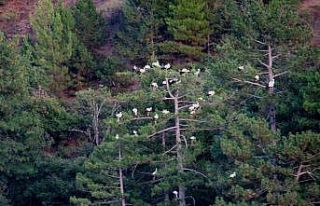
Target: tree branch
point(280, 74)
point(185, 141)
point(194, 120)
point(260, 42)
point(141, 118)
point(162, 131)
point(196, 172)
point(265, 65)
point(169, 150)
point(183, 107)
point(248, 82)
point(168, 89)
point(277, 56)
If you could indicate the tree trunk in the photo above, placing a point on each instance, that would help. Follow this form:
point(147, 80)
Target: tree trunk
point(123, 200)
point(182, 189)
point(166, 195)
point(95, 123)
point(271, 106)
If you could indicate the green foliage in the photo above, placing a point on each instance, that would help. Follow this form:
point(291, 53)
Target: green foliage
point(107, 68)
point(142, 28)
point(188, 24)
point(141, 143)
point(59, 54)
point(101, 177)
point(265, 169)
point(81, 66)
point(294, 114)
point(276, 22)
point(12, 70)
point(89, 24)
point(311, 92)
point(197, 132)
point(53, 27)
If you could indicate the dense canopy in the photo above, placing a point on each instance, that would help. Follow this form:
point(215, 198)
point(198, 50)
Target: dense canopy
point(162, 102)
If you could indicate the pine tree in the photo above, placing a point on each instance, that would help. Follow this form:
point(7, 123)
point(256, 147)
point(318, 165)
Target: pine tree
point(304, 166)
point(258, 49)
point(297, 108)
point(108, 169)
point(13, 89)
point(189, 26)
point(30, 121)
point(160, 123)
point(89, 24)
point(143, 27)
point(53, 27)
point(93, 105)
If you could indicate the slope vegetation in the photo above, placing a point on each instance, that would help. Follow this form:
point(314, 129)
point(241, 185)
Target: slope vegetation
point(14, 14)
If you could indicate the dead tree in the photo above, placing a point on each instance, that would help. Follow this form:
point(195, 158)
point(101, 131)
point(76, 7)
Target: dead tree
point(121, 179)
point(269, 84)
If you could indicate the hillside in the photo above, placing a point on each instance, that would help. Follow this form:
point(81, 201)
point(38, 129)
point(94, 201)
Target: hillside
point(313, 7)
point(159, 102)
point(14, 14)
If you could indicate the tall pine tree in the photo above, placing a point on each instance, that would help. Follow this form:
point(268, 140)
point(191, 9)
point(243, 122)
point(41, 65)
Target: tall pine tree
point(53, 27)
point(189, 26)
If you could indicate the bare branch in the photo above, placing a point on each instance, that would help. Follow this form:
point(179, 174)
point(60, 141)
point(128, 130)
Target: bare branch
point(80, 131)
point(168, 89)
point(260, 42)
point(106, 202)
point(255, 96)
point(167, 98)
point(162, 131)
point(248, 82)
point(280, 74)
point(112, 176)
point(196, 172)
point(153, 181)
point(193, 120)
point(185, 141)
point(172, 148)
point(141, 118)
point(183, 107)
point(101, 105)
point(186, 102)
point(277, 56)
point(260, 73)
point(264, 64)
point(181, 97)
point(134, 169)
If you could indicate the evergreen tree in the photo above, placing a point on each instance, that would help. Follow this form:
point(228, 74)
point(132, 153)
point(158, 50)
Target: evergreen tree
point(53, 27)
point(81, 66)
point(259, 49)
point(164, 120)
point(30, 121)
point(89, 24)
point(57, 52)
point(189, 26)
point(107, 172)
point(297, 108)
point(143, 27)
point(93, 106)
point(241, 130)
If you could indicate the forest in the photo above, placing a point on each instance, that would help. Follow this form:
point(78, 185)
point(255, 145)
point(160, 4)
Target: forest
point(162, 103)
